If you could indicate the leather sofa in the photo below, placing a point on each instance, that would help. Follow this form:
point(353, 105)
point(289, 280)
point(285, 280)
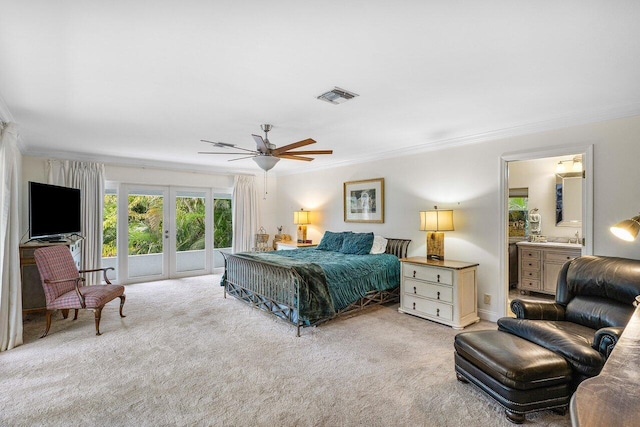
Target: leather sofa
point(594, 302)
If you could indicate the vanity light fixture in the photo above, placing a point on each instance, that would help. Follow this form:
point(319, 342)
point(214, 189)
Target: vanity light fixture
point(434, 222)
point(627, 229)
point(573, 165)
point(577, 164)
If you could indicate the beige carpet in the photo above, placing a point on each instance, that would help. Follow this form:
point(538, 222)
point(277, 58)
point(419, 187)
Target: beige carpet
point(184, 355)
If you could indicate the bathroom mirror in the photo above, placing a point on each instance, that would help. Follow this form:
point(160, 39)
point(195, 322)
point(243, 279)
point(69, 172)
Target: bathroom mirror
point(569, 199)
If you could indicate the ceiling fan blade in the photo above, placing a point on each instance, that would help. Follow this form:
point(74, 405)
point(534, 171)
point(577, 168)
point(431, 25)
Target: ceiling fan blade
point(241, 158)
point(262, 146)
point(289, 156)
point(309, 152)
point(226, 145)
point(218, 144)
point(294, 145)
point(227, 153)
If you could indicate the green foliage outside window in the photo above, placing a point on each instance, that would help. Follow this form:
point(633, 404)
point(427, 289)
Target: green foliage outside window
point(145, 225)
point(109, 226)
point(222, 222)
point(190, 224)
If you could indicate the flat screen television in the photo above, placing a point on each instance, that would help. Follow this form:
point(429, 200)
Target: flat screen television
point(54, 211)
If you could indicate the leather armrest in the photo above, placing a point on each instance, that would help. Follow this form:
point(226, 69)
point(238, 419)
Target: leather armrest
point(606, 338)
point(537, 310)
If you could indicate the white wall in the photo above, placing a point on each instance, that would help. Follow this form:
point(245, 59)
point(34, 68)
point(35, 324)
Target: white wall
point(468, 179)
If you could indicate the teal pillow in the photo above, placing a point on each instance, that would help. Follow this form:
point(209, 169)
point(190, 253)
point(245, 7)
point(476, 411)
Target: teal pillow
point(332, 241)
point(357, 243)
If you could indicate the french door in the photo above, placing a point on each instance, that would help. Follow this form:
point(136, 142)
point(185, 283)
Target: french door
point(166, 232)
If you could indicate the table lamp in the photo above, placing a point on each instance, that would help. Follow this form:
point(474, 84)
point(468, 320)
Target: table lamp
point(434, 222)
point(301, 219)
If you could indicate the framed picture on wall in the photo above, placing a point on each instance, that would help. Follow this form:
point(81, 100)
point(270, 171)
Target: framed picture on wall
point(364, 200)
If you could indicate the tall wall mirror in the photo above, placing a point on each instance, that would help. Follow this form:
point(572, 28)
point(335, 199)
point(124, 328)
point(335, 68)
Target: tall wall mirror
point(569, 199)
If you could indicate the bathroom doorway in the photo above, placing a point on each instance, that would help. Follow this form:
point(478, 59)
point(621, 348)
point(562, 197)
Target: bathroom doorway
point(532, 209)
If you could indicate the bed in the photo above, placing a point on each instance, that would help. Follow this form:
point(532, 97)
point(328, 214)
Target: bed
point(308, 286)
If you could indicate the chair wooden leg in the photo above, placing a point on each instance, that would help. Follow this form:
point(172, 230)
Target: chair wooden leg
point(75, 315)
point(65, 312)
point(97, 313)
point(46, 331)
point(122, 298)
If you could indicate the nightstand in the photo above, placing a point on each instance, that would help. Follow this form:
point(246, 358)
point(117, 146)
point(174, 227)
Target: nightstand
point(283, 245)
point(444, 291)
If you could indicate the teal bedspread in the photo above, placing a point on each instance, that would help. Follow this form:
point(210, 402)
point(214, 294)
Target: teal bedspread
point(334, 279)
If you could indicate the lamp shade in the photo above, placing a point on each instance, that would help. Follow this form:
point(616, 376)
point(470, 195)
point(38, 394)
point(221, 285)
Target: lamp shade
point(436, 220)
point(266, 162)
point(627, 229)
point(301, 217)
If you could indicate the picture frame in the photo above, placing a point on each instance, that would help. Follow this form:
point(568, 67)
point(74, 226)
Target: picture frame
point(363, 200)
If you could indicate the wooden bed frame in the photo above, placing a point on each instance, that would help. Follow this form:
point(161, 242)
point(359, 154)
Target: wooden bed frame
point(275, 288)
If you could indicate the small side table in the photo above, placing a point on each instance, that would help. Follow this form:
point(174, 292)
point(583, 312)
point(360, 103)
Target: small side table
point(292, 244)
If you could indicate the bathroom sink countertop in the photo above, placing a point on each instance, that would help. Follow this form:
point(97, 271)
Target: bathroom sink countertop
point(551, 244)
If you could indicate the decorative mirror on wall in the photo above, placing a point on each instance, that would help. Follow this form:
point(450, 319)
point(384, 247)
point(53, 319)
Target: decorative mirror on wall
point(569, 199)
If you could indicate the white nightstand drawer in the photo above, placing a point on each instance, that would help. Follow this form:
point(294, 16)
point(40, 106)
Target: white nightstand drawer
point(427, 307)
point(437, 275)
point(429, 290)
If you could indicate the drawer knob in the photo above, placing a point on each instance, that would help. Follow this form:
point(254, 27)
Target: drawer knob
point(414, 305)
point(414, 274)
point(438, 295)
point(415, 290)
point(438, 312)
point(530, 264)
point(438, 278)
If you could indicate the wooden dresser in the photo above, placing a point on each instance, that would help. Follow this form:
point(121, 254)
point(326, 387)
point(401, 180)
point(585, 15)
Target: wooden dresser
point(443, 291)
point(32, 292)
point(540, 264)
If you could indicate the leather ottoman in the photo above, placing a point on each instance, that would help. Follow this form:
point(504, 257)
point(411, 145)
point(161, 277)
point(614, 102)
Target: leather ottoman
point(520, 375)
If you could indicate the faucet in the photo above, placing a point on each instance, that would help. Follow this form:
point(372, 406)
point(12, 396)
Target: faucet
point(576, 238)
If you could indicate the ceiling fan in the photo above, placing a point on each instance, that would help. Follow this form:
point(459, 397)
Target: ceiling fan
point(266, 154)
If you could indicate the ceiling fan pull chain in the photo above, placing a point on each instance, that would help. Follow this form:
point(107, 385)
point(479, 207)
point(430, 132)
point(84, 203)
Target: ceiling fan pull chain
point(264, 197)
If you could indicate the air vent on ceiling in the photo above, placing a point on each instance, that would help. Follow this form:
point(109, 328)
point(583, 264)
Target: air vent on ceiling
point(337, 96)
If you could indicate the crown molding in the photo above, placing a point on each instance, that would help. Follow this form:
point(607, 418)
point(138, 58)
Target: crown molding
point(139, 163)
point(509, 132)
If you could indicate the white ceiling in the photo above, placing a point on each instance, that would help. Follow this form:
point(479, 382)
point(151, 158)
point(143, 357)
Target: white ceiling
point(143, 82)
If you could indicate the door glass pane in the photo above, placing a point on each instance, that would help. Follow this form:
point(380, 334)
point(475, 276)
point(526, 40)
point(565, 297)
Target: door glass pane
point(109, 233)
point(222, 227)
point(145, 232)
point(190, 231)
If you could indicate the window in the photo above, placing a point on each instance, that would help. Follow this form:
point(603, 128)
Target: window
point(518, 210)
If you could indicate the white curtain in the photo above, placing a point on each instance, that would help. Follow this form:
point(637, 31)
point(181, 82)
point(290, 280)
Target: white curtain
point(11, 290)
point(89, 178)
point(245, 213)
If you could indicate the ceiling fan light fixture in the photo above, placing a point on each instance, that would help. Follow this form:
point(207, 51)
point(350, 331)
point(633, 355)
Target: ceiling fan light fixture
point(337, 96)
point(266, 162)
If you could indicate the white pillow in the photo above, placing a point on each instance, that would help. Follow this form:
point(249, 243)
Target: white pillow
point(379, 245)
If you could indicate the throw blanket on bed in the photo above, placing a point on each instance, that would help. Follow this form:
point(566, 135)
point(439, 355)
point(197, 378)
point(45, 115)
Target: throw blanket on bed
point(334, 279)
